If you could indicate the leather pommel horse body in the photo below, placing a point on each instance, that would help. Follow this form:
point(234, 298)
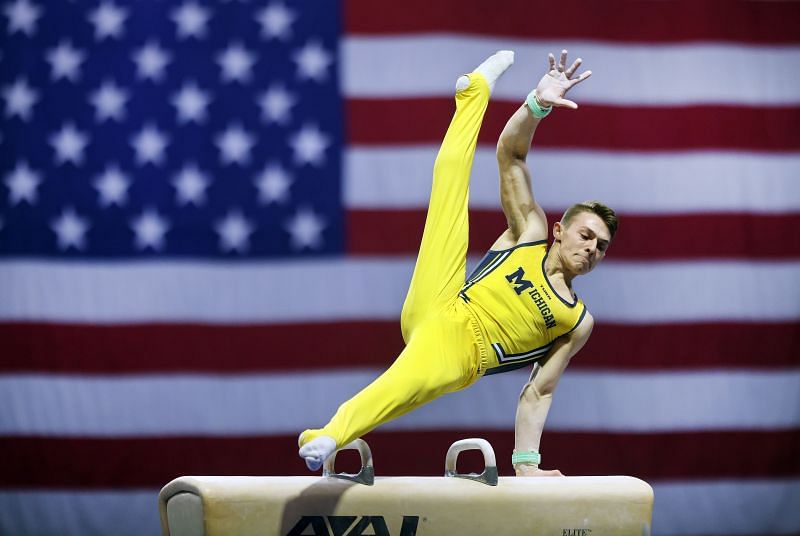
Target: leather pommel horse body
point(340, 504)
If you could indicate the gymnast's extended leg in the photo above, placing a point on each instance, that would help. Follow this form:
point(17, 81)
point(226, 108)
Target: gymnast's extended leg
point(434, 362)
point(440, 269)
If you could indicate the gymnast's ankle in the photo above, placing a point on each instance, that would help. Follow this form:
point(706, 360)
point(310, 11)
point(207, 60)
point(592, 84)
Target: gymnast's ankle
point(491, 69)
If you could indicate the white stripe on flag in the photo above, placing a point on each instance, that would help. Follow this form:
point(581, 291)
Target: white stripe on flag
point(371, 288)
point(624, 74)
point(586, 401)
point(654, 183)
point(726, 508)
point(641, 292)
point(80, 513)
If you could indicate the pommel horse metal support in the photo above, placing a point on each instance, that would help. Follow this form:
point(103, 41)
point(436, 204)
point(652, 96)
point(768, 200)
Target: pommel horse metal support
point(366, 475)
point(342, 504)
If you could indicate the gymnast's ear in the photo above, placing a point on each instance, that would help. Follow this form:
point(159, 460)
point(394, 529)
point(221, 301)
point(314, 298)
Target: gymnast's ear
point(558, 229)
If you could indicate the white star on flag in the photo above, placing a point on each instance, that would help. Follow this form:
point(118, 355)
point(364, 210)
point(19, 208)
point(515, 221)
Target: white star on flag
point(150, 228)
point(275, 105)
point(22, 16)
point(234, 145)
point(191, 103)
point(309, 145)
point(305, 229)
point(149, 144)
point(190, 185)
point(112, 186)
point(236, 62)
point(312, 62)
point(191, 20)
point(70, 229)
point(109, 102)
point(65, 61)
point(234, 232)
point(273, 184)
point(20, 98)
point(69, 144)
point(151, 60)
point(275, 20)
point(108, 19)
point(22, 184)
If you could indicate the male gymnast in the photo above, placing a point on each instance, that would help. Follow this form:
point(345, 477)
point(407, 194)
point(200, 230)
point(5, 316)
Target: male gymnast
point(517, 307)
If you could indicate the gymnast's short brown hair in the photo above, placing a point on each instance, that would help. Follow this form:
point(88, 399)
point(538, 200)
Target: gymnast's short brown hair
point(605, 213)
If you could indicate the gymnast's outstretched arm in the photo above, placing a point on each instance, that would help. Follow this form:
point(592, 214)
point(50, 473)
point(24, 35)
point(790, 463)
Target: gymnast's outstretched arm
point(537, 395)
point(526, 219)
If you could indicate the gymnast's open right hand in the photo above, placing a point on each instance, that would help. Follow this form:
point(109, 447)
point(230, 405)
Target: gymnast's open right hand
point(558, 80)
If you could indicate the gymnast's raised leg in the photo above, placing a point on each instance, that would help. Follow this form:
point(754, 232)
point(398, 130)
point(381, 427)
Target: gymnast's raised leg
point(440, 355)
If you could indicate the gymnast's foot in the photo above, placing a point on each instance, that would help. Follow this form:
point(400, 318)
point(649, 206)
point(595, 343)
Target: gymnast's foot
point(491, 69)
point(316, 451)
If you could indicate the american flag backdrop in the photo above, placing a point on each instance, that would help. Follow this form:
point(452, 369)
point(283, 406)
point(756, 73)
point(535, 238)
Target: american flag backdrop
point(209, 213)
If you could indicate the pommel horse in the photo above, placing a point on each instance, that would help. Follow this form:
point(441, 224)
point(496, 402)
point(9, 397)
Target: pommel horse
point(342, 504)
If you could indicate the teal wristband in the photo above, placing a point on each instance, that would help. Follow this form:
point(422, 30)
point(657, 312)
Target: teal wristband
point(533, 106)
point(530, 456)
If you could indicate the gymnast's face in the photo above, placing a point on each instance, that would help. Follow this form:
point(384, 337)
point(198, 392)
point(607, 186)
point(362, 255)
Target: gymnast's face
point(583, 242)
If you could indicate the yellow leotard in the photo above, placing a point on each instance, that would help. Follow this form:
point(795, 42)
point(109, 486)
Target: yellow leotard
point(457, 329)
point(517, 310)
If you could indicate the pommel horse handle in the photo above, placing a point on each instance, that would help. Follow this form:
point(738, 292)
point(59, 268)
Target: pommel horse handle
point(365, 476)
point(489, 474)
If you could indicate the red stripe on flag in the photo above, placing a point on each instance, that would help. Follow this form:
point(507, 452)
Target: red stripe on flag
point(594, 127)
point(648, 22)
point(90, 349)
point(646, 238)
point(691, 346)
point(145, 462)
point(39, 347)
